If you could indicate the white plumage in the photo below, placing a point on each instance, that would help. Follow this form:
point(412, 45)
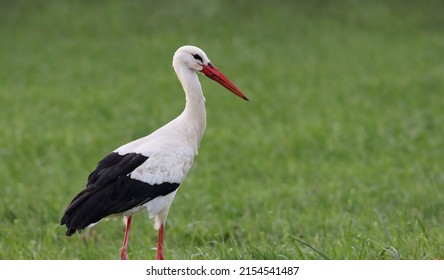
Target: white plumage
point(146, 173)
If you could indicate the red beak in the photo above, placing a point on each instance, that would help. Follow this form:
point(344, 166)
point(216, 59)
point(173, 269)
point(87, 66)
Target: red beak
point(213, 73)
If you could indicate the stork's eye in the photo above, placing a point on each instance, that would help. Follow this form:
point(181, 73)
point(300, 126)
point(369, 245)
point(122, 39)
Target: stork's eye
point(198, 57)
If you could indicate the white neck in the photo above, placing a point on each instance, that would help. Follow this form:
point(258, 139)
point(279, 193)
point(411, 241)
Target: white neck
point(193, 118)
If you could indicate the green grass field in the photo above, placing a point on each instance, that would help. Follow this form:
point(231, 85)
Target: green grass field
point(338, 155)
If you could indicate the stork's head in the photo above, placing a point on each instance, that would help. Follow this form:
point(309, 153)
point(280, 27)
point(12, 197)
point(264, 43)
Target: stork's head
point(193, 57)
point(196, 60)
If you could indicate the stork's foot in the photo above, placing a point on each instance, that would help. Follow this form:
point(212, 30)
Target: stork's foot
point(159, 256)
point(124, 249)
point(123, 254)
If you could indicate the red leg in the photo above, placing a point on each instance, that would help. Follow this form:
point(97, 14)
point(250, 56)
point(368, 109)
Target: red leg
point(159, 255)
point(124, 249)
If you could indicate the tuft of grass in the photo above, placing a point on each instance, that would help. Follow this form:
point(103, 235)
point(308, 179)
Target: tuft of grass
point(338, 155)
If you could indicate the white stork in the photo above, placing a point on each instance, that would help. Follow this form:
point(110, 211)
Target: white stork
point(146, 173)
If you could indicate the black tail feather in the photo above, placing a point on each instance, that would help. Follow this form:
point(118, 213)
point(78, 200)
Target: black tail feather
point(71, 231)
point(95, 203)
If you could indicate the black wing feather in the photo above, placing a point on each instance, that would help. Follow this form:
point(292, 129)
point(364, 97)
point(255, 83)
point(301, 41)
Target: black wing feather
point(110, 190)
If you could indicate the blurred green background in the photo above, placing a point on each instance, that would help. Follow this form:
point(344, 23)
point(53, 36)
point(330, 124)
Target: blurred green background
point(338, 155)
